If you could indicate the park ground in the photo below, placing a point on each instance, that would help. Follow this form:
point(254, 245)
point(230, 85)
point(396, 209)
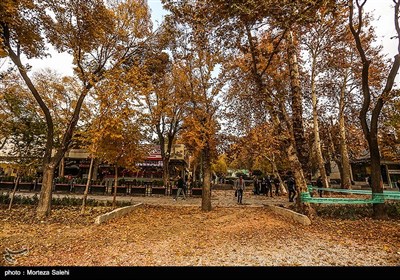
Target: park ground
point(164, 232)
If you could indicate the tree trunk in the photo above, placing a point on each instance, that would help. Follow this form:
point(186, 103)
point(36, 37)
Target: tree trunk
point(345, 161)
point(44, 206)
point(282, 188)
point(333, 154)
point(95, 172)
point(85, 194)
point(339, 165)
point(115, 186)
point(206, 193)
point(201, 171)
point(166, 171)
point(344, 154)
point(317, 140)
point(61, 168)
point(194, 176)
point(295, 164)
point(371, 133)
point(13, 192)
point(301, 184)
point(376, 181)
point(297, 105)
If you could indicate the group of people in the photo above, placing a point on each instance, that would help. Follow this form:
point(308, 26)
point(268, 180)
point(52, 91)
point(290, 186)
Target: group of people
point(265, 186)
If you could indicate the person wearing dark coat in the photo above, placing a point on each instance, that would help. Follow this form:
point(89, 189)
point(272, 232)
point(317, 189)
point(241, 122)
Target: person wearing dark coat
point(291, 184)
point(269, 186)
point(181, 188)
point(320, 185)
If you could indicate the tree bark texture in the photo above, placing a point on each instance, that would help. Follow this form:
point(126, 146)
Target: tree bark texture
point(115, 186)
point(85, 194)
point(206, 188)
point(13, 192)
point(297, 105)
point(44, 205)
point(344, 154)
point(317, 139)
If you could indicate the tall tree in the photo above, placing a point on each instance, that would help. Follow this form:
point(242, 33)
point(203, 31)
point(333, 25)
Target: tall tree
point(198, 59)
point(240, 27)
point(100, 38)
point(329, 45)
point(117, 135)
point(120, 144)
point(372, 107)
point(165, 103)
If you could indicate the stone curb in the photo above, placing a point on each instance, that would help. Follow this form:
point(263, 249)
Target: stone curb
point(299, 218)
point(115, 213)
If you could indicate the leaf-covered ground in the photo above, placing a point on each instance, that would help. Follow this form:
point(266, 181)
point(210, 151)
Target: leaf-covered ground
point(178, 235)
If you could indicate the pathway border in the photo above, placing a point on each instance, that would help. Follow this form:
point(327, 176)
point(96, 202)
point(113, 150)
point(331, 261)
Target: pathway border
point(297, 217)
point(115, 213)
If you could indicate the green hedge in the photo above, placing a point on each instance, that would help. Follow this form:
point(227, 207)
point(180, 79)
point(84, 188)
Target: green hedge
point(65, 201)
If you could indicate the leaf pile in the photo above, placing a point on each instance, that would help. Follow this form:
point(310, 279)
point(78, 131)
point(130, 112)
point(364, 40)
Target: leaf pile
point(186, 236)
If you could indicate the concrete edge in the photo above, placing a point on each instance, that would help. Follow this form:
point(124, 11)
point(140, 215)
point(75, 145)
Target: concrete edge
point(116, 213)
point(297, 217)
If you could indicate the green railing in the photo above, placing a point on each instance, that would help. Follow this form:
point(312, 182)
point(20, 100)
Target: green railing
point(374, 197)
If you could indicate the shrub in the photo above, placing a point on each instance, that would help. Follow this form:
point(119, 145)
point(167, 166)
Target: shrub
point(65, 201)
point(355, 211)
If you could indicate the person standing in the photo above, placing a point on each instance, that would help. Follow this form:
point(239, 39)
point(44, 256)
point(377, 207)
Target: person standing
point(263, 186)
point(320, 185)
point(269, 186)
point(369, 181)
point(181, 188)
point(277, 185)
point(240, 185)
point(256, 186)
point(291, 184)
